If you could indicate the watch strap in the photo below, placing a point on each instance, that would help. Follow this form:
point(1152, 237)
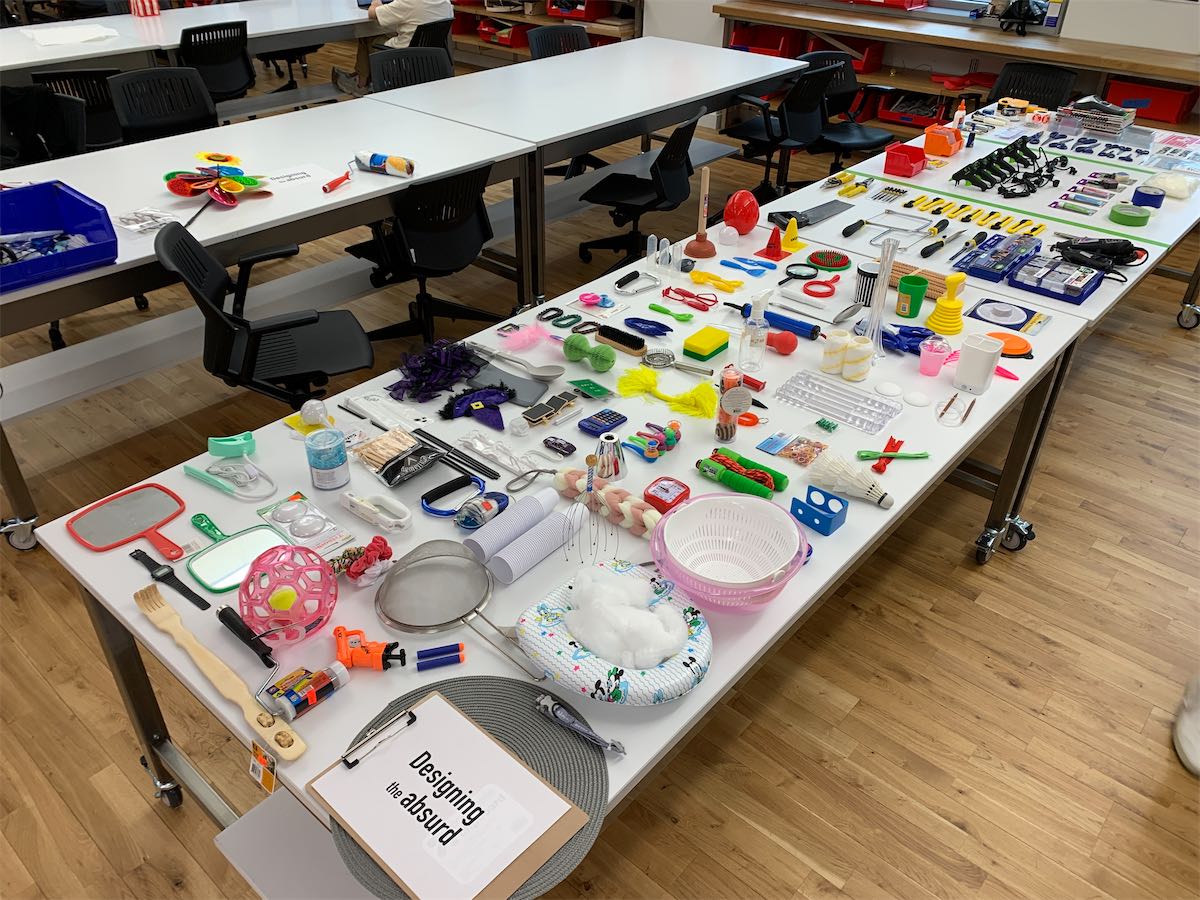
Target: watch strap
point(170, 578)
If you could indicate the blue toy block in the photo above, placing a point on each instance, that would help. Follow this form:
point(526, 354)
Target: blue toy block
point(820, 510)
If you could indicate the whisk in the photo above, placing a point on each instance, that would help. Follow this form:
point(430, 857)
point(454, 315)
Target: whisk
point(836, 473)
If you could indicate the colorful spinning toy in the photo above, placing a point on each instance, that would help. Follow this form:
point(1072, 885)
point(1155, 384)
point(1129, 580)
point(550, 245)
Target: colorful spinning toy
point(220, 178)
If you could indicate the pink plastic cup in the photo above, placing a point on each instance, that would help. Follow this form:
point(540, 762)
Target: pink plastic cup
point(934, 351)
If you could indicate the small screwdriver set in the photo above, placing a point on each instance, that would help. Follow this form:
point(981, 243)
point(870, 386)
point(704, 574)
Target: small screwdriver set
point(998, 255)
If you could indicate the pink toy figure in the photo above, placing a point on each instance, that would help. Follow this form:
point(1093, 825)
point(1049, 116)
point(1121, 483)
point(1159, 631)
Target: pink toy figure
point(290, 591)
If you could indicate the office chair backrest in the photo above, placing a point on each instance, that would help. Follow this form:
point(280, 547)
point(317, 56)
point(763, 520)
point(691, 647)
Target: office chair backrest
point(555, 40)
point(218, 53)
point(1048, 86)
point(37, 124)
point(208, 283)
point(673, 167)
point(443, 224)
point(806, 104)
point(406, 66)
point(843, 85)
point(90, 86)
point(434, 34)
point(74, 115)
point(154, 103)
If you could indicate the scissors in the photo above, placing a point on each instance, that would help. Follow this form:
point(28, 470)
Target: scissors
point(701, 302)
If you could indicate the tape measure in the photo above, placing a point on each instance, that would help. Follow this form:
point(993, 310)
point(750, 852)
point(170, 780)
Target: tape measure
point(1129, 215)
point(1148, 196)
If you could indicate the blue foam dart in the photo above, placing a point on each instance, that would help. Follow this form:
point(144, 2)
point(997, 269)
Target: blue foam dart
point(820, 510)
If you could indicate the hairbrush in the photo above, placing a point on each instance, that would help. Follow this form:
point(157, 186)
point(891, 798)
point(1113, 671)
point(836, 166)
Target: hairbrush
point(577, 347)
point(621, 340)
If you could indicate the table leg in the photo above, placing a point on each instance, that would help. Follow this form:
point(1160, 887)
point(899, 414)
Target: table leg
point(168, 767)
point(1005, 527)
point(533, 221)
point(18, 528)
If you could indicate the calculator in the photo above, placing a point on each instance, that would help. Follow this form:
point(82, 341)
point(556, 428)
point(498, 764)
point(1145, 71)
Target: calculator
point(598, 423)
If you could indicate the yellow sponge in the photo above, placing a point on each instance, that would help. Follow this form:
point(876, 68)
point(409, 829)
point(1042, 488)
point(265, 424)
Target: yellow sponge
point(706, 343)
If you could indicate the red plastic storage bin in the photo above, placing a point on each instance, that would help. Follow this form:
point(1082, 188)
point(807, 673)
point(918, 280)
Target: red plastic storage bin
point(886, 113)
point(504, 34)
point(872, 52)
point(768, 40)
point(464, 23)
point(583, 10)
point(903, 160)
point(894, 4)
point(1168, 102)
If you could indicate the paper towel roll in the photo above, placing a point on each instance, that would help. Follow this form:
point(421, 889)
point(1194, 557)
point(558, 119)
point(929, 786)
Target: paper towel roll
point(523, 515)
point(536, 544)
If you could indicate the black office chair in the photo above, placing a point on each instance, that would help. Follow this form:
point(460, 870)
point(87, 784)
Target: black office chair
point(797, 123)
point(555, 40)
point(90, 86)
point(438, 228)
point(218, 53)
point(37, 125)
point(632, 196)
point(160, 102)
point(407, 66)
point(843, 138)
point(1048, 86)
point(291, 59)
point(289, 357)
point(434, 34)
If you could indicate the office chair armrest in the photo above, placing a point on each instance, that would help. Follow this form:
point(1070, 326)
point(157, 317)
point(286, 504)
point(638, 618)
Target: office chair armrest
point(764, 107)
point(247, 262)
point(282, 322)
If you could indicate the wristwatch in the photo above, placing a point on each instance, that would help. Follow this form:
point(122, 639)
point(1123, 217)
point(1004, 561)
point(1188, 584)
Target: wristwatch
point(164, 574)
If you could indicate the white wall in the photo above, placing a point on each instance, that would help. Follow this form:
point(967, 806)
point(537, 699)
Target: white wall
point(1153, 24)
point(683, 20)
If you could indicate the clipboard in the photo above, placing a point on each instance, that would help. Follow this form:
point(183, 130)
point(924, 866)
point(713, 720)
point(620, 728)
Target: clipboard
point(402, 731)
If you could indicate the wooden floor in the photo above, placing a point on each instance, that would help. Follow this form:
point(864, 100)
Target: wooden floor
point(937, 729)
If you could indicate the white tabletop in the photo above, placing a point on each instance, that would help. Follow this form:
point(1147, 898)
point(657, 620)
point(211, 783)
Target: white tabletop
point(739, 640)
point(18, 49)
point(585, 91)
point(321, 140)
point(1166, 228)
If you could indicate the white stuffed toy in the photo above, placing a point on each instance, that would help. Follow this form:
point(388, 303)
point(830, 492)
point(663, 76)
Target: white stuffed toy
point(611, 618)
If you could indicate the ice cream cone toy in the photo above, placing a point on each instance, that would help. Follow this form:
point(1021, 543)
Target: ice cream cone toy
point(791, 237)
point(947, 316)
point(700, 247)
point(774, 249)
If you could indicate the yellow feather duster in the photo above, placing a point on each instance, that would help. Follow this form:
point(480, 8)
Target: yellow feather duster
point(700, 401)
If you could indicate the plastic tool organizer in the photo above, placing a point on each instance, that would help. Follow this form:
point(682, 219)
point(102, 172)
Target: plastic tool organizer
point(834, 399)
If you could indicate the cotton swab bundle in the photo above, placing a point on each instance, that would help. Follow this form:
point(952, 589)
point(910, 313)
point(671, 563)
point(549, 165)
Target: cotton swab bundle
point(836, 473)
point(525, 338)
point(700, 401)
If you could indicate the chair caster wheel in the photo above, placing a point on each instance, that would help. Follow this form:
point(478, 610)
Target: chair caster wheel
point(141, 302)
point(171, 797)
point(982, 556)
point(1188, 318)
point(585, 255)
point(22, 538)
point(1019, 534)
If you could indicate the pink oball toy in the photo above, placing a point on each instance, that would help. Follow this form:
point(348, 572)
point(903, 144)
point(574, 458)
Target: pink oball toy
point(291, 589)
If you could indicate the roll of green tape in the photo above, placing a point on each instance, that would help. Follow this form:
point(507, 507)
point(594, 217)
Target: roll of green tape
point(1130, 215)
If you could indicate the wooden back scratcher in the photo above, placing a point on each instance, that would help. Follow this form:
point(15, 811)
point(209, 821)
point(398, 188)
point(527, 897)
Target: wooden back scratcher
point(273, 731)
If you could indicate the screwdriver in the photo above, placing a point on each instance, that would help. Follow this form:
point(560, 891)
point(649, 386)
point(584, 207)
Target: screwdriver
point(939, 226)
point(937, 245)
point(974, 242)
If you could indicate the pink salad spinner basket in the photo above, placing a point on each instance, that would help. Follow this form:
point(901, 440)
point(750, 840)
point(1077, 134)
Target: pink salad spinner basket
point(290, 591)
point(729, 552)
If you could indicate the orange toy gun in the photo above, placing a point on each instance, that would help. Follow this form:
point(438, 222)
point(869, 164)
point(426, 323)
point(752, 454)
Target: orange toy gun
point(353, 649)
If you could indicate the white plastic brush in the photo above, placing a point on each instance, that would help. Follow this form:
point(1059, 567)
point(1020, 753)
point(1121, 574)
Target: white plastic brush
point(836, 473)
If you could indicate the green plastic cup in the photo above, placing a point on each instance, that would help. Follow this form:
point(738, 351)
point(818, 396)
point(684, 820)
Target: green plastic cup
point(910, 292)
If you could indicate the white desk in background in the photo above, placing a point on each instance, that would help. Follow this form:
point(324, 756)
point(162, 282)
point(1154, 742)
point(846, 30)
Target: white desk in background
point(319, 140)
point(108, 580)
point(270, 25)
point(578, 102)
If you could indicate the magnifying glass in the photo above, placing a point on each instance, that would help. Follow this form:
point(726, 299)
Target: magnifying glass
point(799, 272)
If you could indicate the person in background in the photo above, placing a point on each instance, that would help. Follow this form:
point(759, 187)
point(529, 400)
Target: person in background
point(399, 16)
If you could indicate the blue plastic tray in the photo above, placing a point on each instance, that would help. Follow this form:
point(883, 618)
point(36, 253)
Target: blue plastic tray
point(53, 205)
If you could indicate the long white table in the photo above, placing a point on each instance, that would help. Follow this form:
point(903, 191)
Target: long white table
point(108, 581)
point(571, 104)
point(270, 25)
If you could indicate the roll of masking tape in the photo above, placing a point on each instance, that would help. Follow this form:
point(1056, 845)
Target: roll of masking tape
point(1129, 215)
point(1148, 196)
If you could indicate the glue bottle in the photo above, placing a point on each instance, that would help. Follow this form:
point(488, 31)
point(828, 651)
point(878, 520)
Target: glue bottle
point(960, 114)
point(753, 345)
point(298, 692)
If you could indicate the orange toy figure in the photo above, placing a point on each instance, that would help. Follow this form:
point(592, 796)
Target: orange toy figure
point(354, 650)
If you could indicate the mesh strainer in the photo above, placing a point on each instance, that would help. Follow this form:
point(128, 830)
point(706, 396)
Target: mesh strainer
point(729, 552)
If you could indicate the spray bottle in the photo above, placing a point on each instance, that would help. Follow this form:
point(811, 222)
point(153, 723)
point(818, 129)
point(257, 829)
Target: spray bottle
point(753, 345)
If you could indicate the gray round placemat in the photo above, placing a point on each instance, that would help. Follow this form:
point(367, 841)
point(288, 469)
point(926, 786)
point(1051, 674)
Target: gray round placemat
point(507, 710)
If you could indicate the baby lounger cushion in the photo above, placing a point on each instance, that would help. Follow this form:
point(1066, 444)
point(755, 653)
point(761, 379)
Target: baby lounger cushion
point(544, 637)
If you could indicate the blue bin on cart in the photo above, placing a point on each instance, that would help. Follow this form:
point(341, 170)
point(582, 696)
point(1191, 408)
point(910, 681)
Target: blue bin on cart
point(52, 205)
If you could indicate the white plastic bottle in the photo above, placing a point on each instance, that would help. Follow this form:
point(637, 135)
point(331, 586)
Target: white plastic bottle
point(753, 346)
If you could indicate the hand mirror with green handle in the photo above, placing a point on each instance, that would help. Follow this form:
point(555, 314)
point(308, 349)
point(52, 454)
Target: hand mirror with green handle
point(222, 566)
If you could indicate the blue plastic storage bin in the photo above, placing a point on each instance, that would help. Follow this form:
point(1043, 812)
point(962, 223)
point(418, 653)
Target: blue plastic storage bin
point(54, 205)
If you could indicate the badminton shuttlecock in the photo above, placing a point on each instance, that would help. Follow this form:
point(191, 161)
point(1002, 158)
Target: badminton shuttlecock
point(839, 475)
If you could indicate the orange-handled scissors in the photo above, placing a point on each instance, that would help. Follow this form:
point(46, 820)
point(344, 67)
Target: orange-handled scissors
point(695, 301)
